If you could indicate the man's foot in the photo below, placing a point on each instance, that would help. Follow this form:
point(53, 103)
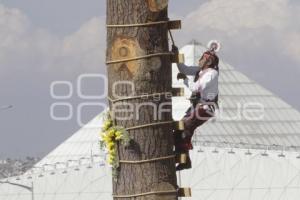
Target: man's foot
point(184, 166)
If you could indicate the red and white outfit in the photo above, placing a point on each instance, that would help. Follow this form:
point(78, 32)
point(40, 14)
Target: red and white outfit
point(207, 86)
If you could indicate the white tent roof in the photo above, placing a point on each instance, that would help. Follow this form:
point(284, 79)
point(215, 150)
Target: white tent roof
point(222, 168)
point(83, 144)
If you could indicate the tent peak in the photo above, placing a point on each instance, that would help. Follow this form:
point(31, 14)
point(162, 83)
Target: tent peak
point(195, 42)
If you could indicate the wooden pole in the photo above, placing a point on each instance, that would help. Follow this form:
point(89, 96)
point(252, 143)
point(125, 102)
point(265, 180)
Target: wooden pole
point(145, 75)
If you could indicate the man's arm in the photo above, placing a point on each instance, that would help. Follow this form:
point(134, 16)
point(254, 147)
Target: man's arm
point(193, 86)
point(188, 70)
point(206, 80)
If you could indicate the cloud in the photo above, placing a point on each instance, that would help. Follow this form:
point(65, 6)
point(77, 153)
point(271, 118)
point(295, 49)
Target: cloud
point(13, 25)
point(21, 44)
point(292, 46)
point(24, 46)
point(232, 15)
point(257, 27)
point(87, 45)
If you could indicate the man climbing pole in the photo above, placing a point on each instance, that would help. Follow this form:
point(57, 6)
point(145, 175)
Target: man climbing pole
point(204, 100)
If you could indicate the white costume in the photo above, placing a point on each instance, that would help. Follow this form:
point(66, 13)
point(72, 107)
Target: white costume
point(207, 84)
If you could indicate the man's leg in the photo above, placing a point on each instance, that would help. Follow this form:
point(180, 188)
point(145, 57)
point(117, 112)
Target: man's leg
point(179, 136)
point(191, 122)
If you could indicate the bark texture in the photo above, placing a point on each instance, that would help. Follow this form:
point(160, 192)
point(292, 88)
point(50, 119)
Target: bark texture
point(152, 75)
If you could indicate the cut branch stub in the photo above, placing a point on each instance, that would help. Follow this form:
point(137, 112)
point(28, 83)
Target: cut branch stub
point(157, 5)
point(184, 192)
point(126, 48)
point(181, 158)
point(177, 92)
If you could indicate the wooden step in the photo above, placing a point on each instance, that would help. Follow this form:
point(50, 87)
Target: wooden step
point(178, 92)
point(181, 158)
point(184, 192)
point(179, 125)
point(174, 24)
point(177, 58)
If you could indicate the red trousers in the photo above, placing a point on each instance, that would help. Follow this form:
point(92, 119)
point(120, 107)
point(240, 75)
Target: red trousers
point(195, 117)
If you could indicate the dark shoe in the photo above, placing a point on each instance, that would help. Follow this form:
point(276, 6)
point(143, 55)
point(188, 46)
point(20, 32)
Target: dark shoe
point(185, 166)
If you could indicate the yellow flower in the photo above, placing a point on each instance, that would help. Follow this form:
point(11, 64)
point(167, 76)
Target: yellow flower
point(107, 125)
point(105, 138)
point(111, 133)
point(113, 156)
point(111, 160)
point(118, 135)
point(112, 153)
point(111, 146)
point(103, 135)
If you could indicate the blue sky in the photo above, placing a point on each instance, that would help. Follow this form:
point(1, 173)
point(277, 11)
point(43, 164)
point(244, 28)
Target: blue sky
point(44, 41)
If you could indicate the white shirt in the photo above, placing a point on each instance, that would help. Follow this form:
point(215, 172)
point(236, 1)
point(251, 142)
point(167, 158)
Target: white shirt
point(207, 84)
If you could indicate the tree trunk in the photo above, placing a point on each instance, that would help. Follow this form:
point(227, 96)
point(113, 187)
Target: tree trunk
point(148, 76)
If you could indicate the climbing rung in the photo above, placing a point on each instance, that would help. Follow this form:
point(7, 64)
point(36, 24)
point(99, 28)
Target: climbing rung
point(179, 125)
point(174, 24)
point(178, 58)
point(184, 192)
point(181, 158)
point(181, 58)
point(178, 92)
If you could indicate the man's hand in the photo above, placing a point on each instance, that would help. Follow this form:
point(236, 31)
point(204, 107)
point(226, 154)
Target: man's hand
point(181, 76)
